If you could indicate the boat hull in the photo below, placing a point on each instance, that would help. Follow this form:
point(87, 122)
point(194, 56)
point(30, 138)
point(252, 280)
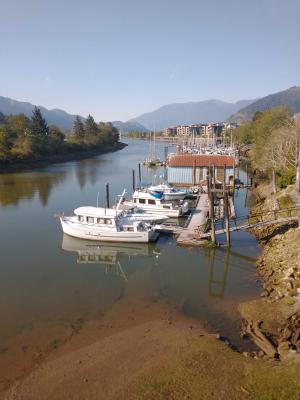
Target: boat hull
point(92, 233)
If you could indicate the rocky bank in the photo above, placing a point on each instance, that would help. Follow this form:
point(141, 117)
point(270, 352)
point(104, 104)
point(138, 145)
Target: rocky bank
point(273, 321)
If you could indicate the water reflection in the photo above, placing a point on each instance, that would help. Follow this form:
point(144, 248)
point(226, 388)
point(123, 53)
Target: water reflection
point(17, 187)
point(87, 171)
point(107, 254)
point(41, 285)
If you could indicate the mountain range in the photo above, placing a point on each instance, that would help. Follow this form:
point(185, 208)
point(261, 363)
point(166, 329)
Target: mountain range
point(172, 114)
point(289, 98)
point(56, 117)
point(189, 113)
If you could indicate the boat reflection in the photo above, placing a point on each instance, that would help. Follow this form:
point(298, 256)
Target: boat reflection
point(108, 254)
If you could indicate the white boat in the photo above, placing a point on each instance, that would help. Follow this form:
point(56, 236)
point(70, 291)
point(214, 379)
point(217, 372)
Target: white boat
point(152, 161)
point(106, 224)
point(169, 193)
point(155, 203)
point(134, 213)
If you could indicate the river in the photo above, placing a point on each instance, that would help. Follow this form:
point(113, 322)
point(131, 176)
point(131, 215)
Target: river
point(48, 281)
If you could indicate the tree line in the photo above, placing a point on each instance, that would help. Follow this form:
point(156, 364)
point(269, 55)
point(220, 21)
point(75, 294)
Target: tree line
point(23, 138)
point(272, 138)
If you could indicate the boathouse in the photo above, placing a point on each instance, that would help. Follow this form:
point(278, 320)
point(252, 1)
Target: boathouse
point(192, 169)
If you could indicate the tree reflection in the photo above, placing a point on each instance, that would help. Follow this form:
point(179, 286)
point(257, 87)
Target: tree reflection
point(17, 187)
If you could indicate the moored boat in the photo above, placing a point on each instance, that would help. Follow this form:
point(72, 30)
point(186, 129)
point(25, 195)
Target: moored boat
point(169, 193)
point(152, 202)
point(96, 223)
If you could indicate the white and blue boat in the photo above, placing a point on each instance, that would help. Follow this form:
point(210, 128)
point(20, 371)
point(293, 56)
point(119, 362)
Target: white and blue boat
point(168, 192)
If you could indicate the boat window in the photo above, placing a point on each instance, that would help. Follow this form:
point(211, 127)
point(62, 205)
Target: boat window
point(167, 207)
point(100, 221)
point(151, 202)
point(80, 218)
point(135, 200)
point(142, 201)
point(128, 228)
point(90, 220)
point(109, 222)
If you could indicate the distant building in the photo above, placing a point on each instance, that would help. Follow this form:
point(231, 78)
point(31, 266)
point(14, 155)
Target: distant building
point(192, 169)
point(216, 130)
point(171, 131)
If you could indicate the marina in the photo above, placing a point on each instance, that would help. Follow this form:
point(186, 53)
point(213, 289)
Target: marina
point(59, 283)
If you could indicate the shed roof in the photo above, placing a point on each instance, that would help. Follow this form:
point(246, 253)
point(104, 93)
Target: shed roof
point(201, 160)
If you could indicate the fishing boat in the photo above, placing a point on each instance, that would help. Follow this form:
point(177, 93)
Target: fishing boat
point(154, 203)
point(168, 192)
point(106, 224)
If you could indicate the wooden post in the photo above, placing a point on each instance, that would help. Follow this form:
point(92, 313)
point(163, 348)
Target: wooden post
point(224, 193)
point(194, 173)
point(107, 195)
point(233, 182)
point(227, 219)
point(140, 175)
point(133, 180)
point(214, 175)
point(211, 207)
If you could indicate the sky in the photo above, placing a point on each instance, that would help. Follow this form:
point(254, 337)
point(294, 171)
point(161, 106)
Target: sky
point(116, 59)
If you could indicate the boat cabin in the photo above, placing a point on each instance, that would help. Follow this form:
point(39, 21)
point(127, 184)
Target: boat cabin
point(142, 198)
point(96, 216)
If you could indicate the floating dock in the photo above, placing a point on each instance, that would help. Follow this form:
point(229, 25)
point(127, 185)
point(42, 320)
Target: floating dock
point(196, 221)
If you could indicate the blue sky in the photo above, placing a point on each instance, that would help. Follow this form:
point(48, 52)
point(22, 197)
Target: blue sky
point(117, 59)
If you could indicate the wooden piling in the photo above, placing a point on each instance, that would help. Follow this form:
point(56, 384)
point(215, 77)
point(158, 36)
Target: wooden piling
point(107, 195)
point(211, 206)
point(133, 180)
point(194, 173)
point(226, 210)
point(140, 175)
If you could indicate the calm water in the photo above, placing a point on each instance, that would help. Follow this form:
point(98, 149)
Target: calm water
point(46, 278)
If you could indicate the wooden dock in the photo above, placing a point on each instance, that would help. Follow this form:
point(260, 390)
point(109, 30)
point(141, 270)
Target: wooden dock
point(196, 220)
point(249, 226)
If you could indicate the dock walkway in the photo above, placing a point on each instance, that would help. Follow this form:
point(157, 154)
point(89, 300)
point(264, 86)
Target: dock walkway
point(197, 219)
point(249, 226)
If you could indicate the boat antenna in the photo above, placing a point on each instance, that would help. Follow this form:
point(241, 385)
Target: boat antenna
point(97, 203)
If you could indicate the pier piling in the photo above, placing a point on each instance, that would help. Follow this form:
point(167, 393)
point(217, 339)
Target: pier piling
point(133, 180)
point(107, 195)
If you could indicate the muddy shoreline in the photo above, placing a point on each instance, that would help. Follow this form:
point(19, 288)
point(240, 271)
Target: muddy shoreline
point(57, 158)
point(273, 322)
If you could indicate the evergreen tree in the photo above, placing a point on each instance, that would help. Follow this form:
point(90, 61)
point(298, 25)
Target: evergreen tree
point(78, 129)
point(90, 126)
point(39, 125)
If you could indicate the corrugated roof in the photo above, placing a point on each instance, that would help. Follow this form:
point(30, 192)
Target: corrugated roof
point(200, 160)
